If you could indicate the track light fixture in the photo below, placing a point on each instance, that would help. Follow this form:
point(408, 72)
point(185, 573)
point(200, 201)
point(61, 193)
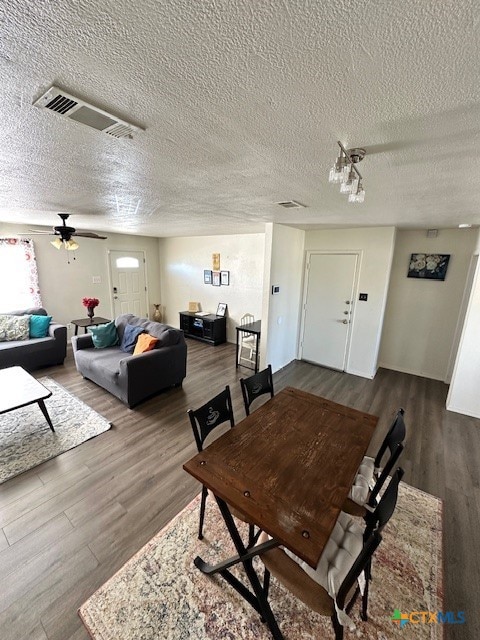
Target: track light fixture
point(345, 173)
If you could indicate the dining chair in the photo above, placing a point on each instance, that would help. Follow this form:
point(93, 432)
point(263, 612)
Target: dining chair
point(370, 476)
point(331, 589)
point(247, 340)
point(255, 386)
point(204, 420)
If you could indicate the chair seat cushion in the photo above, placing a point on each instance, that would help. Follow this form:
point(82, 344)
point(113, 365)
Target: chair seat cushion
point(364, 481)
point(341, 551)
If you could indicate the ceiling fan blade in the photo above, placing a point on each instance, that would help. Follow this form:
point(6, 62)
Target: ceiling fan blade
point(36, 232)
point(89, 234)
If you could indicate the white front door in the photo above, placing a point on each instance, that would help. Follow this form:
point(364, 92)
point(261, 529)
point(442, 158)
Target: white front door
point(129, 293)
point(328, 308)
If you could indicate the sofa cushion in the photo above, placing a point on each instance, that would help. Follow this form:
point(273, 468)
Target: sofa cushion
point(100, 364)
point(14, 328)
point(34, 311)
point(145, 342)
point(105, 335)
point(129, 338)
point(39, 326)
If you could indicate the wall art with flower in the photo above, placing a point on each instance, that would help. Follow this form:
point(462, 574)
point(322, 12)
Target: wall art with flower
point(429, 266)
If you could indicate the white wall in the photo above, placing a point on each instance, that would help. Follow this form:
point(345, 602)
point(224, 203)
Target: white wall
point(464, 396)
point(421, 315)
point(281, 312)
point(183, 261)
point(375, 246)
point(63, 285)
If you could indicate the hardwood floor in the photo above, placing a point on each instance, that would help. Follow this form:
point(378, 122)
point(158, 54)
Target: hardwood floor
point(69, 524)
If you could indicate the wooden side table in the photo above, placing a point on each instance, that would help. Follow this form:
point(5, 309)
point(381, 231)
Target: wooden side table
point(89, 322)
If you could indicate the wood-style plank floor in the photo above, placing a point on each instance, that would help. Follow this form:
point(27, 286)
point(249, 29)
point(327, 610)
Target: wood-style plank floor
point(68, 525)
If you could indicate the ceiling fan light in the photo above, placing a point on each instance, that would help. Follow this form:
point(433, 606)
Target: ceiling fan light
point(337, 171)
point(358, 195)
point(57, 243)
point(350, 184)
point(71, 245)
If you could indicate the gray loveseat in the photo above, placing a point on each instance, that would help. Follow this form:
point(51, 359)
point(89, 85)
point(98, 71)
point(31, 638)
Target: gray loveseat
point(133, 378)
point(35, 352)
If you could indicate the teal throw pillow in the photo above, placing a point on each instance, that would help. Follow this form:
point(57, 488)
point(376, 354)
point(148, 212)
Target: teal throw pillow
point(105, 335)
point(39, 326)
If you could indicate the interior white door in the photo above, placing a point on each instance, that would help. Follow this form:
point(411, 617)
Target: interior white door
point(328, 308)
point(129, 294)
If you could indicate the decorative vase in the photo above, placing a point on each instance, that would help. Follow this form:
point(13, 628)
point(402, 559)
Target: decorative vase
point(90, 312)
point(157, 314)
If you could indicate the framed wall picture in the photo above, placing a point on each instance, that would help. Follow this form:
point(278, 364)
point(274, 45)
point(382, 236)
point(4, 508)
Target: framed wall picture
point(215, 261)
point(225, 278)
point(221, 309)
point(207, 276)
point(428, 266)
point(216, 278)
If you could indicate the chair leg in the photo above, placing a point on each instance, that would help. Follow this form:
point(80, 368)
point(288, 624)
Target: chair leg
point(202, 512)
point(364, 613)
point(266, 582)
point(337, 627)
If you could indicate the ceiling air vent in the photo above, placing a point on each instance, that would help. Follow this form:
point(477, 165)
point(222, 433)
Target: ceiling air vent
point(71, 107)
point(291, 204)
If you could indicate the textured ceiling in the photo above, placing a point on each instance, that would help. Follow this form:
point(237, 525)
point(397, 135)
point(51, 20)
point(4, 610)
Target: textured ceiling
point(242, 103)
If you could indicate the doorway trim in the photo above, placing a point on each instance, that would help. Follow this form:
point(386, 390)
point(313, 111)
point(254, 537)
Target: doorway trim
point(359, 254)
point(110, 277)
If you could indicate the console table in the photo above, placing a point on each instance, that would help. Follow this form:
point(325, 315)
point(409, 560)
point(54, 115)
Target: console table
point(89, 322)
point(211, 328)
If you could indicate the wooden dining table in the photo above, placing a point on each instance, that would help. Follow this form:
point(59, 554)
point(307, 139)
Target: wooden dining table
point(288, 468)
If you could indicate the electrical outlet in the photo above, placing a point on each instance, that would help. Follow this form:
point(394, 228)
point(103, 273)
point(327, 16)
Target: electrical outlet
point(69, 325)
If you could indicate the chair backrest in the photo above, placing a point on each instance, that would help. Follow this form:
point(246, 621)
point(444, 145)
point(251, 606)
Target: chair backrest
point(361, 563)
point(378, 518)
point(247, 318)
point(396, 435)
point(255, 386)
point(391, 462)
point(209, 416)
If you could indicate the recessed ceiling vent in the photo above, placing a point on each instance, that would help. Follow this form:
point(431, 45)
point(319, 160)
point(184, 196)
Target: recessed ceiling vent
point(291, 204)
point(71, 107)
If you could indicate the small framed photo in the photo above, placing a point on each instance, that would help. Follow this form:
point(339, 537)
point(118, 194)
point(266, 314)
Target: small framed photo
point(221, 309)
point(216, 278)
point(225, 277)
point(207, 277)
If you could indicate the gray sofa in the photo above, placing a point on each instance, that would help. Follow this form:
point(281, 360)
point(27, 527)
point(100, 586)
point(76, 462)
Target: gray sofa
point(35, 352)
point(134, 378)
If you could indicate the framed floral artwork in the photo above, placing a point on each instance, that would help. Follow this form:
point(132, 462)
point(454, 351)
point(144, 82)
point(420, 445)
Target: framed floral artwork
point(225, 278)
point(428, 266)
point(216, 278)
point(207, 276)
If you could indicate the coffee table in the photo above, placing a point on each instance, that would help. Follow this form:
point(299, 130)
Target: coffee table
point(19, 389)
point(89, 322)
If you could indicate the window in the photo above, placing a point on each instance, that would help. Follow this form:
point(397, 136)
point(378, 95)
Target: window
point(20, 289)
point(127, 262)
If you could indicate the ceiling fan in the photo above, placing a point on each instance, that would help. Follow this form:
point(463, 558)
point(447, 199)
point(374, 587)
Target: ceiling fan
point(64, 234)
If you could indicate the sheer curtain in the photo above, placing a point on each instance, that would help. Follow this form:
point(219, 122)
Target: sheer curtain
point(19, 287)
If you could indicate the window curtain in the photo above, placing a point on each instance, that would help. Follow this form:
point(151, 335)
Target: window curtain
point(19, 288)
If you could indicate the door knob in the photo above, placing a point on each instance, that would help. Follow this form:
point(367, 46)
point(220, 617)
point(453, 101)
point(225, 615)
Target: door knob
point(345, 313)
point(115, 297)
point(347, 301)
point(345, 321)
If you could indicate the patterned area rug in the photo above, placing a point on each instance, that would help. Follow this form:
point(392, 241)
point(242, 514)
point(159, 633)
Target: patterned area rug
point(26, 440)
point(159, 594)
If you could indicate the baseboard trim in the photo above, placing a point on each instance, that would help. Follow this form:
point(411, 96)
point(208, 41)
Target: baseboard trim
point(411, 372)
point(462, 412)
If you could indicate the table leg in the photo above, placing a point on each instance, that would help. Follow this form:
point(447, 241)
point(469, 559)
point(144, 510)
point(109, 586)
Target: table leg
point(257, 341)
point(236, 353)
point(42, 406)
point(76, 329)
point(258, 600)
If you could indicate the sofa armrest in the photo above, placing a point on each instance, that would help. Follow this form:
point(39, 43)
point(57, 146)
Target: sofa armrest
point(58, 331)
point(82, 342)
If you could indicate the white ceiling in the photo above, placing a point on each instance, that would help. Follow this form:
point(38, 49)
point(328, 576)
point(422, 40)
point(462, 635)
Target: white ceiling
point(242, 103)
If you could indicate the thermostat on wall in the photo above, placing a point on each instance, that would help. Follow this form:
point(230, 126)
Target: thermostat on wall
point(275, 289)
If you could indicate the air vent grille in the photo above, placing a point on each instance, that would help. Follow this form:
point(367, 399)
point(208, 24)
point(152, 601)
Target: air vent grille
point(74, 108)
point(291, 204)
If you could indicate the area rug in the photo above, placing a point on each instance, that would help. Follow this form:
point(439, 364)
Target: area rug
point(26, 440)
point(159, 593)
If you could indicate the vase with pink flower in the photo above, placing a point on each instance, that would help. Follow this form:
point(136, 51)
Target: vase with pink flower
point(90, 303)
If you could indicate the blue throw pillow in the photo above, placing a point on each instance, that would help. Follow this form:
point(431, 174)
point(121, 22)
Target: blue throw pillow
point(130, 336)
point(39, 326)
point(105, 335)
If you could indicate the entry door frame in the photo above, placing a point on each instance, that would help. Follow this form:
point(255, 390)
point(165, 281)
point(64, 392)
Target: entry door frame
point(110, 277)
point(359, 254)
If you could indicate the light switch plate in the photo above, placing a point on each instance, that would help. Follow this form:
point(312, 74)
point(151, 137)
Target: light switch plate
point(97, 279)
